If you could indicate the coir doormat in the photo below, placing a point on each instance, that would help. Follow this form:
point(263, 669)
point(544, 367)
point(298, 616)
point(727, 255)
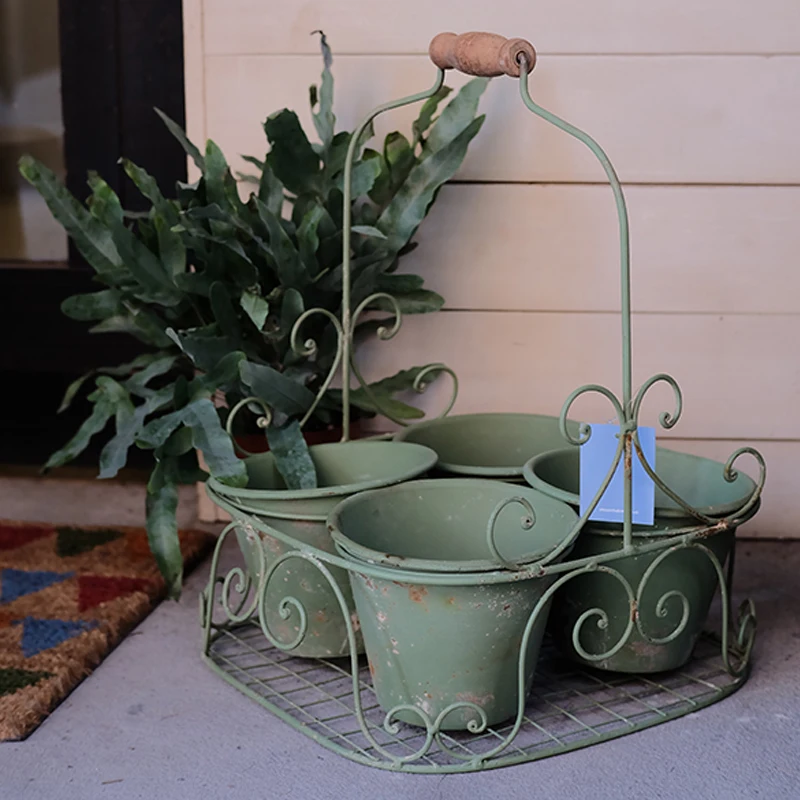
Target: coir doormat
point(68, 595)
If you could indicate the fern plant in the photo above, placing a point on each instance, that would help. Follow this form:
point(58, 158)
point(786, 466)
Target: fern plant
point(212, 284)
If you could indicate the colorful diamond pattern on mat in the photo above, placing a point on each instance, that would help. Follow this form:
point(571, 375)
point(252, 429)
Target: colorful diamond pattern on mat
point(12, 536)
point(57, 582)
point(16, 583)
point(74, 541)
point(43, 634)
point(96, 589)
point(12, 680)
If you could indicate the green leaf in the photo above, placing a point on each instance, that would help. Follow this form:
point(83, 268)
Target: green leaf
point(148, 186)
point(144, 266)
point(188, 470)
point(256, 162)
point(120, 370)
point(137, 383)
point(292, 457)
point(429, 107)
point(275, 389)
point(362, 178)
point(106, 398)
point(104, 204)
point(170, 247)
point(409, 206)
point(291, 157)
point(368, 230)
point(270, 191)
point(386, 405)
point(397, 161)
point(212, 440)
point(129, 425)
point(72, 391)
point(384, 391)
point(256, 308)
point(215, 176)
point(419, 301)
point(139, 322)
point(307, 238)
point(457, 115)
point(224, 310)
point(180, 135)
point(96, 305)
point(179, 442)
point(399, 284)
point(161, 507)
point(92, 239)
point(223, 375)
point(204, 346)
point(290, 267)
point(292, 307)
point(324, 119)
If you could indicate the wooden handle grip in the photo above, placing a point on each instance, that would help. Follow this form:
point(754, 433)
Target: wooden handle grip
point(485, 54)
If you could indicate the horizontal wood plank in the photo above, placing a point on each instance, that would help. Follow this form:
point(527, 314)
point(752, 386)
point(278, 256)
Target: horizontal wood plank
point(556, 247)
point(661, 119)
point(736, 378)
point(625, 26)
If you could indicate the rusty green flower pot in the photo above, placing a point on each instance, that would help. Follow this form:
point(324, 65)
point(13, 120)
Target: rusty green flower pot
point(487, 445)
point(442, 624)
point(673, 590)
point(343, 469)
point(672, 587)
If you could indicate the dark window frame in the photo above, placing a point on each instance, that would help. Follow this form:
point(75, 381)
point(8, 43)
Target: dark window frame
point(119, 59)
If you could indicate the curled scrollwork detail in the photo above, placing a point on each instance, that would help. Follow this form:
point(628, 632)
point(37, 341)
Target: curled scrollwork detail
point(585, 430)
point(602, 621)
point(731, 474)
point(386, 332)
point(420, 385)
point(263, 422)
point(383, 332)
point(666, 419)
point(661, 607)
point(309, 348)
point(286, 607)
point(236, 581)
point(527, 522)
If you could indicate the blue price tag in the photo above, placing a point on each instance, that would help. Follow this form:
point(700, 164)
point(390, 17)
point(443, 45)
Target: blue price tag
point(596, 457)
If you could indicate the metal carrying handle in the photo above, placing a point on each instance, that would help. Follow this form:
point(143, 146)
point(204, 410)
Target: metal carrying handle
point(486, 55)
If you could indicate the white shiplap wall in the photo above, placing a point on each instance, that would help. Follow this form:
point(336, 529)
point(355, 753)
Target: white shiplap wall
point(698, 106)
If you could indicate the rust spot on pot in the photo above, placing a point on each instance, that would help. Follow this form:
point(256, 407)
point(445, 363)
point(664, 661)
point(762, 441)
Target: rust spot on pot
point(371, 668)
point(476, 699)
point(451, 601)
point(417, 593)
point(321, 616)
point(506, 606)
point(634, 610)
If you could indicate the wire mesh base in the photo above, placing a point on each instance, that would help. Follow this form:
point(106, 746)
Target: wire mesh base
point(570, 707)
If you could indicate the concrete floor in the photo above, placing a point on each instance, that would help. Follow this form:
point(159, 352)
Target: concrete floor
point(153, 721)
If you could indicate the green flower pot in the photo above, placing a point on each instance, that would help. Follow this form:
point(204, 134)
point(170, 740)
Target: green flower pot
point(444, 629)
point(687, 571)
point(487, 445)
point(671, 586)
point(343, 469)
point(699, 481)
